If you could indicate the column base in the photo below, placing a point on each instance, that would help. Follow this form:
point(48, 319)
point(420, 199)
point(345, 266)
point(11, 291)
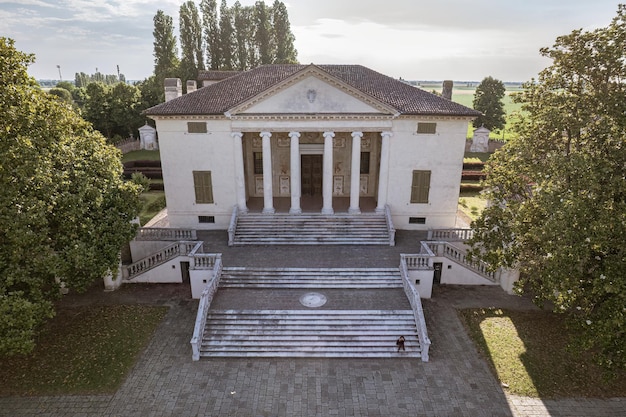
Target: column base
point(328, 211)
point(380, 210)
point(269, 210)
point(356, 210)
point(295, 211)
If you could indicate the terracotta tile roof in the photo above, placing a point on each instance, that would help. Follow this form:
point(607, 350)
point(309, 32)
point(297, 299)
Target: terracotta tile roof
point(223, 96)
point(214, 75)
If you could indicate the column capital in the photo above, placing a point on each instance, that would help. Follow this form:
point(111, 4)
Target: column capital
point(357, 134)
point(236, 135)
point(329, 135)
point(386, 134)
point(265, 134)
point(294, 135)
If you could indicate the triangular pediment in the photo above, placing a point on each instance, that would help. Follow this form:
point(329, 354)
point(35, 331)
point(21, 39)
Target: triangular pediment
point(312, 91)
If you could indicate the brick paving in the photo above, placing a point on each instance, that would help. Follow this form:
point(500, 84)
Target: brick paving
point(166, 382)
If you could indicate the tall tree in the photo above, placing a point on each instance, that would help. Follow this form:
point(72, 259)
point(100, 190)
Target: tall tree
point(283, 37)
point(558, 194)
point(227, 38)
point(211, 33)
point(165, 50)
point(190, 41)
point(488, 100)
point(241, 20)
point(263, 33)
point(64, 208)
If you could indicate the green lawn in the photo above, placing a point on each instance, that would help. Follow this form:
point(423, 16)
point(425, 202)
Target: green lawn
point(152, 203)
point(472, 203)
point(528, 352)
point(142, 155)
point(83, 350)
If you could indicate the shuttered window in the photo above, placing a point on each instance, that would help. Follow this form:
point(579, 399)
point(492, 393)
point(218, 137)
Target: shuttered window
point(420, 187)
point(203, 187)
point(426, 128)
point(196, 127)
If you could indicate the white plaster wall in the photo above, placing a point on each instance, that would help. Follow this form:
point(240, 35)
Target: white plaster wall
point(182, 153)
point(311, 95)
point(199, 279)
point(453, 273)
point(425, 278)
point(169, 272)
point(442, 154)
point(139, 249)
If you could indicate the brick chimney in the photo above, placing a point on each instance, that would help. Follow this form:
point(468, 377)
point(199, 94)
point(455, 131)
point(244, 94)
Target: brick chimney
point(173, 88)
point(446, 92)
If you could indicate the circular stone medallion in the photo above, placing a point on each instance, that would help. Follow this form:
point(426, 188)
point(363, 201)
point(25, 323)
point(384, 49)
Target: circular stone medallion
point(313, 299)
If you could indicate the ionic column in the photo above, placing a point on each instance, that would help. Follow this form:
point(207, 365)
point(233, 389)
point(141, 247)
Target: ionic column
point(327, 181)
point(240, 181)
point(296, 192)
point(383, 175)
point(355, 173)
point(268, 196)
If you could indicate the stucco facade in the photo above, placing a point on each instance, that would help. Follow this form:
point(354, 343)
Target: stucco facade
point(323, 132)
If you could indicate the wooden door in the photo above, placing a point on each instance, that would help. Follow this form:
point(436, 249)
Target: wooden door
point(311, 171)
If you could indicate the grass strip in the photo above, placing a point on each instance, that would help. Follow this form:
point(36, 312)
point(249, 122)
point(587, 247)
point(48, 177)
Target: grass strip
point(83, 350)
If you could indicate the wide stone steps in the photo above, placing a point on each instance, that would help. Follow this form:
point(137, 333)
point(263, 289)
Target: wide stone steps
point(309, 333)
point(311, 229)
point(363, 278)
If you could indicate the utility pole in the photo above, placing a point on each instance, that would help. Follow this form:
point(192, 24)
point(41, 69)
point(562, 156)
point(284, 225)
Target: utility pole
point(60, 77)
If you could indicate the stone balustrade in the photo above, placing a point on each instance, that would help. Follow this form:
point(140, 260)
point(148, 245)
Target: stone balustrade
point(416, 305)
point(232, 227)
point(392, 230)
point(460, 256)
point(205, 304)
point(451, 235)
point(151, 261)
point(162, 233)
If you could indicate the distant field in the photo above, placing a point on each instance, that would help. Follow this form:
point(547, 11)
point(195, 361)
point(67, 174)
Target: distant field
point(463, 93)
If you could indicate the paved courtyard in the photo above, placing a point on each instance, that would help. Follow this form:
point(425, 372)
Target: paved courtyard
point(166, 382)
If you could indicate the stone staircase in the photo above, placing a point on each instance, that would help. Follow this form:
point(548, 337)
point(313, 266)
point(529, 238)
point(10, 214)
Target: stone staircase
point(242, 277)
point(311, 229)
point(310, 332)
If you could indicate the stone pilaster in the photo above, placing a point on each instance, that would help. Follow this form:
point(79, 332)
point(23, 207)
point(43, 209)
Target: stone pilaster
point(355, 173)
point(383, 177)
point(240, 181)
point(327, 181)
point(268, 195)
point(295, 170)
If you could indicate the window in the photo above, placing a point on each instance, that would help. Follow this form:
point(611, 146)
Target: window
point(196, 127)
point(420, 187)
point(417, 220)
point(202, 185)
point(258, 162)
point(365, 162)
point(206, 219)
point(426, 128)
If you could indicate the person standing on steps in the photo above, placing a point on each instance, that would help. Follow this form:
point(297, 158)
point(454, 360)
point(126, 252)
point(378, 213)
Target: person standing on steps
point(400, 344)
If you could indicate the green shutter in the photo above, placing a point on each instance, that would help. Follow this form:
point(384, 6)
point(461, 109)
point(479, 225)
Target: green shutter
point(203, 187)
point(420, 187)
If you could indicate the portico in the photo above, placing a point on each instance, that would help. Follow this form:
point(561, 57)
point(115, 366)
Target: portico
point(353, 165)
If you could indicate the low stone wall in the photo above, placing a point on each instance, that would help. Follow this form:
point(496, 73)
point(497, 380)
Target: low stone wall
point(494, 145)
point(129, 145)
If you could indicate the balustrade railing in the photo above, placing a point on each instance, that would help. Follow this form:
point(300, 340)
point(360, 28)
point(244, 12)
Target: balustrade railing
point(392, 230)
point(454, 235)
point(203, 306)
point(417, 261)
point(165, 233)
point(232, 227)
point(168, 253)
point(416, 305)
point(460, 256)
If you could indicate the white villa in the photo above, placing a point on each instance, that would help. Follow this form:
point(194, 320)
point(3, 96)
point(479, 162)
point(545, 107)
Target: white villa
point(313, 155)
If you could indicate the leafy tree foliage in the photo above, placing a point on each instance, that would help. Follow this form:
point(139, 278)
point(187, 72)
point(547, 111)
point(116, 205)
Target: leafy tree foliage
point(62, 94)
point(263, 33)
point(64, 208)
point(227, 37)
point(558, 191)
point(243, 36)
point(192, 51)
point(165, 50)
point(488, 100)
point(283, 37)
point(211, 31)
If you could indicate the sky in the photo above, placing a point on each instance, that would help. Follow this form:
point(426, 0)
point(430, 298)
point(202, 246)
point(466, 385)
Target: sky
point(413, 39)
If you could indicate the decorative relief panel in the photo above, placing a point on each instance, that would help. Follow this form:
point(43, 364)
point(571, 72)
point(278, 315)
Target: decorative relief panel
point(338, 185)
point(363, 184)
point(284, 185)
point(258, 185)
point(283, 142)
point(339, 142)
point(257, 142)
point(366, 143)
